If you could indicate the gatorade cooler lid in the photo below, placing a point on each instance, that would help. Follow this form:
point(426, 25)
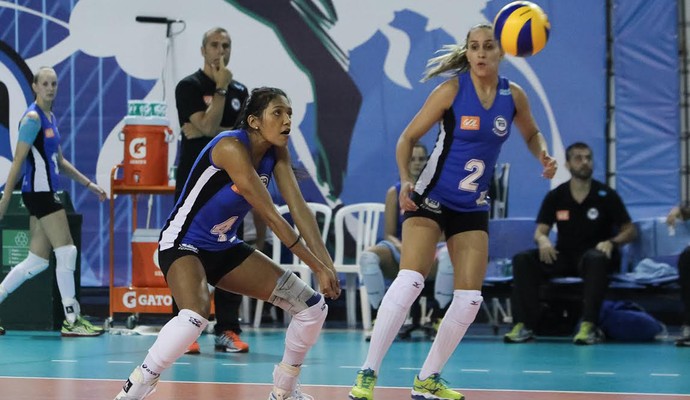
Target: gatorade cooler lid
point(145, 235)
point(135, 120)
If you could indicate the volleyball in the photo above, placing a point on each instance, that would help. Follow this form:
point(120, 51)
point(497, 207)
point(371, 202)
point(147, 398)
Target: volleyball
point(522, 28)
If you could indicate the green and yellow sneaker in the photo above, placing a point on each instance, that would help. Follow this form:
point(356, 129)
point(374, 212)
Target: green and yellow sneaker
point(519, 334)
point(364, 385)
point(588, 334)
point(80, 327)
point(434, 388)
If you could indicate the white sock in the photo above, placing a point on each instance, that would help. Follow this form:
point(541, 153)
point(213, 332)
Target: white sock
point(65, 265)
point(303, 331)
point(396, 303)
point(372, 277)
point(173, 340)
point(444, 283)
point(461, 313)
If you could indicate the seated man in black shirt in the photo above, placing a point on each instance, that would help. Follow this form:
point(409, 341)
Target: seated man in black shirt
point(592, 222)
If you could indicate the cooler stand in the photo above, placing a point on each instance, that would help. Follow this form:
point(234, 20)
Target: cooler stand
point(126, 299)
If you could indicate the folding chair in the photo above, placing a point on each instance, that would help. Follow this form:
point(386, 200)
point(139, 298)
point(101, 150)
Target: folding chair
point(361, 221)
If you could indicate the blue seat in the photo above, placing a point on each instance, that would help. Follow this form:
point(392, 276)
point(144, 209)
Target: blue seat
point(655, 242)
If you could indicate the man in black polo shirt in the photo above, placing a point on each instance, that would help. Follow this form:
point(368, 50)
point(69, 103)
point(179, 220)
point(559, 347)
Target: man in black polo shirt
point(592, 223)
point(209, 102)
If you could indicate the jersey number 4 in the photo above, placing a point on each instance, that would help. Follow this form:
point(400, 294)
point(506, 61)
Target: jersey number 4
point(222, 229)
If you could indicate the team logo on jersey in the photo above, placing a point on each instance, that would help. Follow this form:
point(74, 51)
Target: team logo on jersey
point(592, 213)
point(236, 104)
point(469, 123)
point(49, 132)
point(431, 205)
point(207, 100)
point(137, 148)
point(187, 247)
point(563, 215)
point(505, 92)
point(264, 179)
point(500, 126)
point(56, 198)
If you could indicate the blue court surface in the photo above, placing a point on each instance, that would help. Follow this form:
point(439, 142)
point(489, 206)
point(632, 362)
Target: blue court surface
point(42, 365)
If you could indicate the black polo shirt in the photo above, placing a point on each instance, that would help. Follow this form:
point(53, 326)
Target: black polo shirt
point(194, 93)
point(581, 226)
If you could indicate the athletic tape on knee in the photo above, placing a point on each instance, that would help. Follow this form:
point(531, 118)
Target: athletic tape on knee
point(31, 266)
point(65, 265)
point(174, 339)
point(293, 294)
point(444, 282)
point(372, 277)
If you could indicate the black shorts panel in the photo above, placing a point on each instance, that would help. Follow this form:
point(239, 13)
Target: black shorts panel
point(453, 222)
point(40, 204)
point(216, 263)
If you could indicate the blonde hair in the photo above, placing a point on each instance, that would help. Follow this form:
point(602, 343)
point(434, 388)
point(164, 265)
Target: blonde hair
point(454, 61)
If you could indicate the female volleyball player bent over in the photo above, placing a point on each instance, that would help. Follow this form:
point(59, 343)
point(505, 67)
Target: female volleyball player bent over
point(198, 244)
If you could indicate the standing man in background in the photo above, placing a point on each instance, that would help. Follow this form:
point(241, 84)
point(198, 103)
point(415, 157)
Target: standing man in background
point(209, 102)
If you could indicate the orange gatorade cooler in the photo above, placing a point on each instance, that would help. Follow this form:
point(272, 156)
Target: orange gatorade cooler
point(146, 271)
point(146, 150)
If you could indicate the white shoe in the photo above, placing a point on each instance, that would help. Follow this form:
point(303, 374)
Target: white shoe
point(278, 394)
point(135, 388)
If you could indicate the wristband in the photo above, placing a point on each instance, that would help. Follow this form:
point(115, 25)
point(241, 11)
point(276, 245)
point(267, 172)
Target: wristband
point(299, 237)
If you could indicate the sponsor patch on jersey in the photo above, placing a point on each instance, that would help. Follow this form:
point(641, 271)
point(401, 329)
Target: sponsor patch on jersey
point(469, 123)
point(207, 100)
point(49, 132)
point(592, 213)
point(563, 215)
point(264, 179)
point(500, 126)
point(188, 247)
point(505, 92)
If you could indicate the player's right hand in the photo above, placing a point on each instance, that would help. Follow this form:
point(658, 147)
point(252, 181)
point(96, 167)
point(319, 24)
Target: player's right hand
point(406, 203)
point(222, 75)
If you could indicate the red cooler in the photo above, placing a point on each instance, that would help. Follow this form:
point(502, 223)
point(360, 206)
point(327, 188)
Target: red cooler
point(146, 151)
point(146, 271)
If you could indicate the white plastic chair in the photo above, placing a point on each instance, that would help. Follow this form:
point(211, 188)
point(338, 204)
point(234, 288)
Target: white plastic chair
point(362, 222)
point(295, 264)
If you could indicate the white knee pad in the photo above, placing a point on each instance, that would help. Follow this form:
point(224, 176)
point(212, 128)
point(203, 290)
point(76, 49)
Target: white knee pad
point(293, 294)
point(372, 277)
point(174, 339)
point(66, 258)
point(405, 289)
point(445, 277)
point(305, 326)
point(27, 269)
point(465, 306)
